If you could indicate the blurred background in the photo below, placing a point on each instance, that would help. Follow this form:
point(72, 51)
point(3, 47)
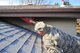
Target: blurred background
point(39, 2)
point(78, 27)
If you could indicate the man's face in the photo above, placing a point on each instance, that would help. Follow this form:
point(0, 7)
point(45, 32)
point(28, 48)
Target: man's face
point(41, 31)
point(39, 28)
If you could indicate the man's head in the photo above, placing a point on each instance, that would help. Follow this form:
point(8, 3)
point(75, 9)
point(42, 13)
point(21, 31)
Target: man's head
point(39, 27)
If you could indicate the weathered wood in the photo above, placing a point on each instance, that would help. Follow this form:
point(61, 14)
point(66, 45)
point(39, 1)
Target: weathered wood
point(39, 11)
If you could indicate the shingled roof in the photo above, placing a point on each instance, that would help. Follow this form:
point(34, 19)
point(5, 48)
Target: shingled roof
point(18, 40)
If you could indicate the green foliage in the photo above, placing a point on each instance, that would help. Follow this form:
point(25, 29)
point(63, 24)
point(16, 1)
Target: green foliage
point(67, 3)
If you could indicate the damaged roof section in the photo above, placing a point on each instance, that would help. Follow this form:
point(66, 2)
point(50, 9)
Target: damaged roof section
point(18, 22)
point(39, 11)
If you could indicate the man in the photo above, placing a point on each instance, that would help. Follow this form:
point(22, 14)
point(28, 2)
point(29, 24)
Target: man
point(56, 41)
point(49, 41)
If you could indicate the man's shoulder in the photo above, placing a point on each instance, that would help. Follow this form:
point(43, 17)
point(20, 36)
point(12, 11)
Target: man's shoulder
point(49, 26)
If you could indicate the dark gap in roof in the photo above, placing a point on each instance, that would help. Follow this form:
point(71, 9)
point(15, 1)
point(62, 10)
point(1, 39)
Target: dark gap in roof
point(35, 18)
point(51, 18)
point(16, 21)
